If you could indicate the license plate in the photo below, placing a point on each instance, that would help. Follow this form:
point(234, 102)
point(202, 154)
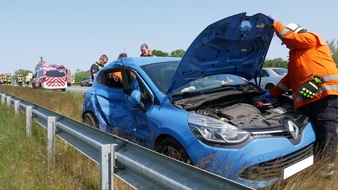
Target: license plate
point(297, 167)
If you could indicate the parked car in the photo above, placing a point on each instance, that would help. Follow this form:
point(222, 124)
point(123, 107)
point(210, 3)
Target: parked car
point(86, 82)
point(202, 110)
point(270, 76)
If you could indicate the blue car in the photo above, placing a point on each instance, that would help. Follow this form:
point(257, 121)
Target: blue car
point(202, 109)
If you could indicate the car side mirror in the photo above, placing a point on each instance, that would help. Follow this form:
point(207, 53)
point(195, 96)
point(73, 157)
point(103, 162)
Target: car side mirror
point(136, 96)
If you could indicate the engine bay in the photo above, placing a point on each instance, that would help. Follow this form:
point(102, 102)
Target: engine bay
point(244, 111)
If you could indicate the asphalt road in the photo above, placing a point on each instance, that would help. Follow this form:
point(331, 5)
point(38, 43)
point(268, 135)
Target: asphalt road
point(77, 89)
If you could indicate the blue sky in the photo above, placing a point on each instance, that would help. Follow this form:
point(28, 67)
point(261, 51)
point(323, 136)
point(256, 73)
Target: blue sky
point(75, 33)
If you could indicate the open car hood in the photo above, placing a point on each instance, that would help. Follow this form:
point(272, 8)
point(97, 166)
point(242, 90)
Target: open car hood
point(235, 45)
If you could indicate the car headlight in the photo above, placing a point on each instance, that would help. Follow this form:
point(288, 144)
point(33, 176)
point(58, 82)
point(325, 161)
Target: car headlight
point(213, 130)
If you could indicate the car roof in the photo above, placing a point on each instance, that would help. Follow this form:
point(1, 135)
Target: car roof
point(140, 61)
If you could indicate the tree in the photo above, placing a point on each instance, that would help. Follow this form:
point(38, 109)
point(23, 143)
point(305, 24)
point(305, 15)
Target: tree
point(278, 62)
point(334, 50)
point(22, 72)
point(79, 75)
point(177, 53)
point(160, 53)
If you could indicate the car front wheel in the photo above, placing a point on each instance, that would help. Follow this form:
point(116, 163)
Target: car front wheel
point(89, 119)
point(269, 86)
point(172, 148)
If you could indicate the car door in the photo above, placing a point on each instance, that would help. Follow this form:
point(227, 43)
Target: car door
point(118, 112)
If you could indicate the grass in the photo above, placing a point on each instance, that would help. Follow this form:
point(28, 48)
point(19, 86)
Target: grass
point(23, 161)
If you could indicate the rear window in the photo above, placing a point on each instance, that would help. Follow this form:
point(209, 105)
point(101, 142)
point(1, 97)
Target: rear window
point(281, 71)
point(55, 73)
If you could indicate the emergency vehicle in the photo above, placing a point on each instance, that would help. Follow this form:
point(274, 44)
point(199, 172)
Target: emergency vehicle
point(49, 76)
point(70, 77)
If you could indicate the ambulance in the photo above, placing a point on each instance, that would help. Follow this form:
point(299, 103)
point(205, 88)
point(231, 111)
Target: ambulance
point(50, 76)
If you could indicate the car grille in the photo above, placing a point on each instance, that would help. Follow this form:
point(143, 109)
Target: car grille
point(273, 168)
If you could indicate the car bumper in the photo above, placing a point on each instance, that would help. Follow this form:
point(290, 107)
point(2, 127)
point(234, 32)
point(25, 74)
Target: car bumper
point(235, 163)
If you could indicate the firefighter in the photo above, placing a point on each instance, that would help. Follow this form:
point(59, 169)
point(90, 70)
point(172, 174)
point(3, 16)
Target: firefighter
point(9, 79)
point(4, 78)
point(98, 65)
point(27, 79)
point(20, 80)
point(312, 78)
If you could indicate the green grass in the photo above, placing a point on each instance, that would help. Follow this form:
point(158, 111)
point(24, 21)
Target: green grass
point(23, 161)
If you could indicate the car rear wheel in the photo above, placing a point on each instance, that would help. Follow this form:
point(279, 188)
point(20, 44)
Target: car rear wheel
point(269, 86)
point(172, 148)
point(89, 119)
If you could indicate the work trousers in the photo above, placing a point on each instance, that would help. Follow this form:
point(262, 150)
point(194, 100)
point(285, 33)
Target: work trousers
point(324, 116)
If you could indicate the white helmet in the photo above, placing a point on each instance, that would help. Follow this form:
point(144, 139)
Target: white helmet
point(294, 27)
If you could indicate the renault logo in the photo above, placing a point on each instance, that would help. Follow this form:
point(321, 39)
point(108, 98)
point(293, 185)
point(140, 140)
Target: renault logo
point(293, 129)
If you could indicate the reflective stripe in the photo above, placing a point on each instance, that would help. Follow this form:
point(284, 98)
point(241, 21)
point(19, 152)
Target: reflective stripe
point(330, 77)
point(282, 86)
point(320, 90)
point(284, 31)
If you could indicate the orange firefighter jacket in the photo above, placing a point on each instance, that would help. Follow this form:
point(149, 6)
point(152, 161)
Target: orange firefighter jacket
point(309, 55)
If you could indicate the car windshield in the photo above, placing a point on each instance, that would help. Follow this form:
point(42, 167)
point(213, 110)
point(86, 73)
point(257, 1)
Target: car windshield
point(55, 73)
point(281, 71)
point(161, 73)
point(211, 82)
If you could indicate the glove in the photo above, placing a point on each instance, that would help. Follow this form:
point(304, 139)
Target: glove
point(310, 89)
point(273, 18)
point(266, 97)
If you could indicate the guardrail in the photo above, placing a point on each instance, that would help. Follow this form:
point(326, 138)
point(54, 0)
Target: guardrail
point(139, 167)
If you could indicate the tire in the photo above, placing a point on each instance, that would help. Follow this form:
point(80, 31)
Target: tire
point(269, 86)
point(170, 147)
point(89, 119)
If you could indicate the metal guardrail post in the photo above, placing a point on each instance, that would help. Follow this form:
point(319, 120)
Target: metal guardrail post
point(29, 112)
point(16, 106)
point(107, 164)
point(9, 99)
point(51, 139)
point(3, 96)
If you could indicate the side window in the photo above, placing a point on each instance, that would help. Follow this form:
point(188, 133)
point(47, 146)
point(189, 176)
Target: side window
point(40, 73)
point(114, 79)
point(111, 78)
point(265, 73)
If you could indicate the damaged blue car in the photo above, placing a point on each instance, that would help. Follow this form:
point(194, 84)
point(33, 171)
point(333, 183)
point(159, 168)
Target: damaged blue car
point(202, 109)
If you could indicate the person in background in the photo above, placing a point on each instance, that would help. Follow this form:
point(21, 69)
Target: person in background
point(20, 80)
point(313, 79)
point(27, 79)
point(117, 75)
point(4, 78)
point(9, 79)
point(98, 65)
point(121, 55)
point(145, 52)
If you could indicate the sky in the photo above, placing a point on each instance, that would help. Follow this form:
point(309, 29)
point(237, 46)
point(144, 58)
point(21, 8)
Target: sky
point(75, 33)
